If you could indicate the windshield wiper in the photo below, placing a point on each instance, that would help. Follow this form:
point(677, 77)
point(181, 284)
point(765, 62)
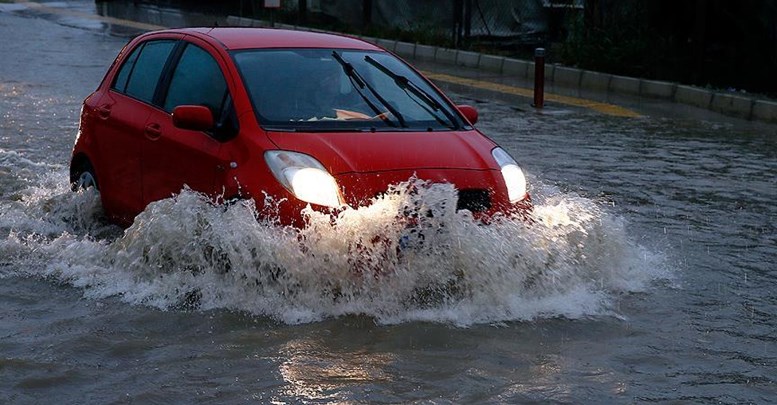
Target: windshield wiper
point(405, 84)
point(279, 129)
point(359, 83)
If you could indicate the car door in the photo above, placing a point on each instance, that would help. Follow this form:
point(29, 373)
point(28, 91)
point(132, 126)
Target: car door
point(175, 157)
point(123, 111)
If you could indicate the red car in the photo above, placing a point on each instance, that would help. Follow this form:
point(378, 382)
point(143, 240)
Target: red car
point(303, 118)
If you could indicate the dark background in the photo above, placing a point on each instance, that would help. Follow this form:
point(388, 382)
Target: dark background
point(721, 44)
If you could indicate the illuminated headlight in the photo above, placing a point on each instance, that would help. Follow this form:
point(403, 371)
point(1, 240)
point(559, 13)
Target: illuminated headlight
point(304, 177)
point(512, 174)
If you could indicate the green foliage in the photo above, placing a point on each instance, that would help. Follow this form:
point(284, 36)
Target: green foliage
point(720, 43)
point(619, 45)
point(417, 33)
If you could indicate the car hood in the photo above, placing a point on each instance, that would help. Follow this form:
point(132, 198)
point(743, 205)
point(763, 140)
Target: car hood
point(363, 152)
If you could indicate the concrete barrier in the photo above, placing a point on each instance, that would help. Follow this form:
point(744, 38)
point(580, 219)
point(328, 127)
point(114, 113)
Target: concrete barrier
point(657, 89)
point(567, 76)
point(491, 63)
point(445, 55)
point(765, 111)
point(515, 67)
point(732, 105)
point(693, 96)
point(425, 52)
point(236, 21)
point(595, 81)
point(386, 44)
point(467, 59)
point(405, 49)
point(625, 85)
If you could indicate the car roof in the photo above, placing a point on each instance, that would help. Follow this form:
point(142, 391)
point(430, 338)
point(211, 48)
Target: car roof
point(233, 38)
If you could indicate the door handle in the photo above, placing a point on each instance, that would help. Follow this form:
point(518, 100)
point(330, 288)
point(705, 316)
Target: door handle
point(153, 131)
point(104, 111)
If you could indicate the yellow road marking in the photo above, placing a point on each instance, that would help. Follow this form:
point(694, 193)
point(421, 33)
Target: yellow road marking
point(604, 108)
point(72, 13)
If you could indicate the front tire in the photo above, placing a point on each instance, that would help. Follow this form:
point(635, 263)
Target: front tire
point(83, 177)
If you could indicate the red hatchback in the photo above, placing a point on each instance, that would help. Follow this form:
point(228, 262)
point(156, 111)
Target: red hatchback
point(302, 118)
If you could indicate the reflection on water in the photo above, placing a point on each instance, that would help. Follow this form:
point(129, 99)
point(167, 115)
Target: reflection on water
point(313, 373)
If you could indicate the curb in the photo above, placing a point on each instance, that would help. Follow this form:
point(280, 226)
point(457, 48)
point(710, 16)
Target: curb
point(732, 104)
point(727, 103)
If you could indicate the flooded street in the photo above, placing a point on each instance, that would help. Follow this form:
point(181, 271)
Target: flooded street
point(648, 275)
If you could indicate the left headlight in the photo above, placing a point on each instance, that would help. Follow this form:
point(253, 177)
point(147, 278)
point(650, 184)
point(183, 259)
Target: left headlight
point(304, 176)
point(512, 174)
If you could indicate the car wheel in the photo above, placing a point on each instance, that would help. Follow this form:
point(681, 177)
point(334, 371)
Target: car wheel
point(83, 177)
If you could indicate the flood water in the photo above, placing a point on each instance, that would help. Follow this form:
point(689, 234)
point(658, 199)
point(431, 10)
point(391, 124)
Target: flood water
point(648, 274)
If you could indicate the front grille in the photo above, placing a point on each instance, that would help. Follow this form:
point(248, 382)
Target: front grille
point(474, 200)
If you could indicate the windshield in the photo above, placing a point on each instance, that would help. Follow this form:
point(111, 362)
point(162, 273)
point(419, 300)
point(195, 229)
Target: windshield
point(336, 90)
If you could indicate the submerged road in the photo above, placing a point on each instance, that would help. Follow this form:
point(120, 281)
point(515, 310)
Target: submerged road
point(649, 276)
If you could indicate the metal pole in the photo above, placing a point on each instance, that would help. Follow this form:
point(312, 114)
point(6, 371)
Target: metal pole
point(539, 77)
point(458, 10)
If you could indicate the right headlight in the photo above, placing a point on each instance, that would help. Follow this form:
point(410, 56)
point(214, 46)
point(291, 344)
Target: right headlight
point(304, 176)
point(512, 174)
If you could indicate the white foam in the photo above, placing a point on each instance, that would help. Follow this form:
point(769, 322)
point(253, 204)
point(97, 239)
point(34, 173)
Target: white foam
point(571, 261)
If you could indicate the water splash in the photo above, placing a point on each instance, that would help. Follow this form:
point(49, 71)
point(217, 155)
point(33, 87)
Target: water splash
point(572, 259)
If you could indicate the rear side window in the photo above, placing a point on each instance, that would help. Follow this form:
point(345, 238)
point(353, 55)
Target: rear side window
point(139, 75)
point(197, 80)
point(121, 79)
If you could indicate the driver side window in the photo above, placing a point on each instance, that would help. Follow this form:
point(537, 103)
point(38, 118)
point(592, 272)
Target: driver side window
point(198, 80)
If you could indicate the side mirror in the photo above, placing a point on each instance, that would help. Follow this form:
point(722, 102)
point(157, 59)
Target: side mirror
point(193, 117)
point(469, 112)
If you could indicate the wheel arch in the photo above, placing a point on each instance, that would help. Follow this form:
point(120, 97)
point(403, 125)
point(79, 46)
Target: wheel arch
point(78, 164)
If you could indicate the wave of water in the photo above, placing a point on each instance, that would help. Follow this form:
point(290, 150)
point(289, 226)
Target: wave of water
point(572, 259)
